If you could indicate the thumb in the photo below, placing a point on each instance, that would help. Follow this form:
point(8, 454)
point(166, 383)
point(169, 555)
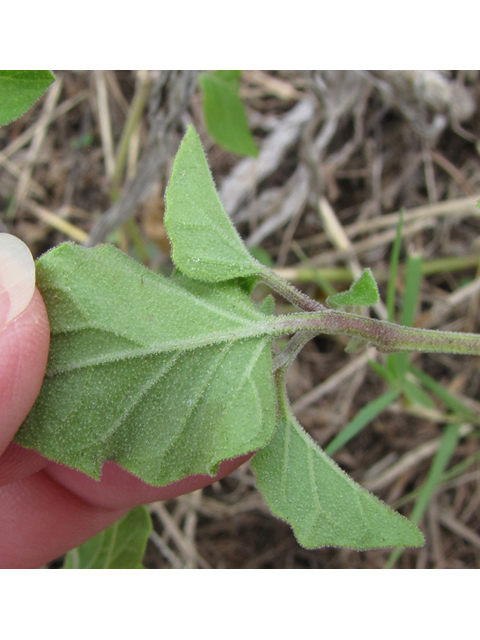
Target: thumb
point(24, 336)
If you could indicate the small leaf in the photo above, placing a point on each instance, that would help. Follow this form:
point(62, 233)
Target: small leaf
point(121, 546)
point(324, 506)
point(19, 90)
point(225, 114)
point(362, 293)
point(268, 305)
point(205, 244)
point(165, 377)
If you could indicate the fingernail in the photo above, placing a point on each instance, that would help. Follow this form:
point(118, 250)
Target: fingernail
point(17, 278)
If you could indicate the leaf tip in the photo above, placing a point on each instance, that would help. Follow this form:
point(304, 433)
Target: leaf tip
point(362, 293)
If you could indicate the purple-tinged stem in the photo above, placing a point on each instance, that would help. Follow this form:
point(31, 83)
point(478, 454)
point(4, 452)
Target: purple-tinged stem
point(387, 337)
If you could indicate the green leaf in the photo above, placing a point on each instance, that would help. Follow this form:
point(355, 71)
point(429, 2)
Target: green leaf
point(205, 244)
point(165, 377)
point(19, 90)
point(362, 293)
point(325, 507)
point(121, 546)
point(268, 305)
point(225, 114)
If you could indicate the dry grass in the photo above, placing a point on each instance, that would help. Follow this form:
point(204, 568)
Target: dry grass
point(341, 153)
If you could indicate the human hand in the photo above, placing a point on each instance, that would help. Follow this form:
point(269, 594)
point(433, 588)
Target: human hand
point(47, 508)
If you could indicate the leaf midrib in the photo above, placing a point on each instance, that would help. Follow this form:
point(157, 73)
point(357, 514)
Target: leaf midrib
point(255, 330)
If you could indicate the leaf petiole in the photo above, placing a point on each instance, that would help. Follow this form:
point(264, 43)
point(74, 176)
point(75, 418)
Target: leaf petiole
point(295, 345)
point(288, 291)
point(387, 337)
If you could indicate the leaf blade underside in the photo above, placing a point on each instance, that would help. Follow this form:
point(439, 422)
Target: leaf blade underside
point(205, 244)
point(165, 377)
point(323, 505)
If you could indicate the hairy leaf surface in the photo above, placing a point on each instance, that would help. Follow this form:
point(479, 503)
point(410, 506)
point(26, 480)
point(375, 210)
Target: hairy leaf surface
point(165, 377)
point(19, 90)
point(362, 293)
point(324, 506)
point(205, 244)
point(121, 546)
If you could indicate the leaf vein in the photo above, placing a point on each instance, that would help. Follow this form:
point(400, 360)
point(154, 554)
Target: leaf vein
point(192, 409)
point(165, 370)
point(254, 330)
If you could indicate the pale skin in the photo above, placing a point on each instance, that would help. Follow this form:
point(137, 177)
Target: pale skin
point(47, 508)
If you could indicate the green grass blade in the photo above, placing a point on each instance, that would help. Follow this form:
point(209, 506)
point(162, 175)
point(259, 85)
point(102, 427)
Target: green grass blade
point(384, 372)
point(416, 395)
point(398, 362)
point(363, 417)
point(392, 280)
point(445, 452)
point(412, 288)
point(452, 473)
point(449, 400)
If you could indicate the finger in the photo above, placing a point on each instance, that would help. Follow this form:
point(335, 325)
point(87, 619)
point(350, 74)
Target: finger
point(119, 489)
point(17, 463)
point(24, 344)
point(17, 277)
point(40, 520)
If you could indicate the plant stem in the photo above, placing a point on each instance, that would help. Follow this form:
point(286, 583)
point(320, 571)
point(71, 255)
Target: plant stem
point(295, 345)
point(387, 337)
point(289, 292)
